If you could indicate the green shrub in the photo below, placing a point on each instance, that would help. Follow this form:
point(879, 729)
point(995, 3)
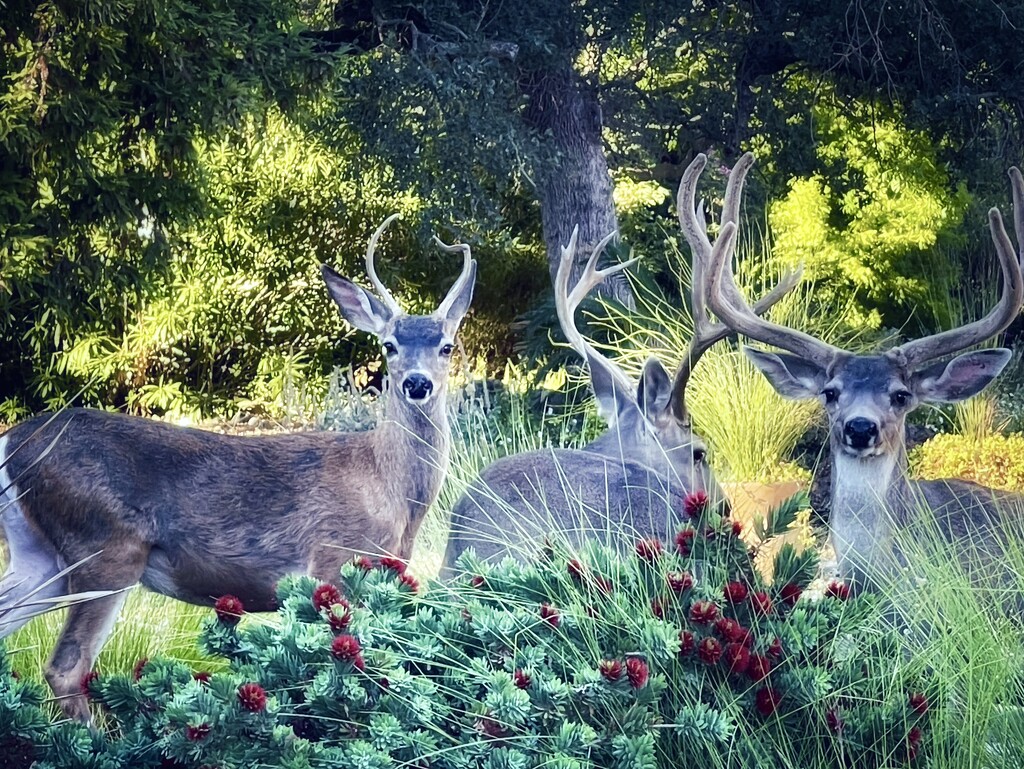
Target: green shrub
point(996, 461)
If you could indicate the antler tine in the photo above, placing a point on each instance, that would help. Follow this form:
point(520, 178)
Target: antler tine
point(467, 269)
point(385, 295)
point(1006, 310)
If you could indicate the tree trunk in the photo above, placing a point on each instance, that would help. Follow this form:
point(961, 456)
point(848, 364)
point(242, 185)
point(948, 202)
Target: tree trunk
point(577, 188)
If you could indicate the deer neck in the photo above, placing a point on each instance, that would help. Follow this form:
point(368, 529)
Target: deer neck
point(866, 493)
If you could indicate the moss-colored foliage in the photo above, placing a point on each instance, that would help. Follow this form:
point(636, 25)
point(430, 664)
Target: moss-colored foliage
point(996, 461)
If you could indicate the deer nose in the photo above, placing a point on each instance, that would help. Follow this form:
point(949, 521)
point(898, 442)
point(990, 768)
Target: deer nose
point(417, 387)
point(860, 433)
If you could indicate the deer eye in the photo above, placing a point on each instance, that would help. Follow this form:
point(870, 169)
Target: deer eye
point(390, 349)
point(699, 455)
point(447, 350)
point(830, 394)
point(900, 398)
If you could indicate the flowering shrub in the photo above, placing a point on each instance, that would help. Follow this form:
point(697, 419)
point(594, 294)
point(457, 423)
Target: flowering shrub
point(996, 461)
point(665, 657)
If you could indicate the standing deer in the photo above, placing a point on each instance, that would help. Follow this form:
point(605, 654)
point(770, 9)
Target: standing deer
point(196, 515)
point(867, 399)
point(633, 477)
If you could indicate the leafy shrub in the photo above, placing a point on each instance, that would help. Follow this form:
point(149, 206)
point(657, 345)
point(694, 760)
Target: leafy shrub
point(995, 460)
point(679, 653)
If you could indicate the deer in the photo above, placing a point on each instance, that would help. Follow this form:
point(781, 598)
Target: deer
point(195, 515)
point(630, 479)
point(867, 398)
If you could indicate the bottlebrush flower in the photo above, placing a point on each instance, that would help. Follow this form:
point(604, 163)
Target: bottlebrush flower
point(648, 549)
point(140, 665)
point(686, 643)
point(684, 541)
point(679, 581)
point(729, 629)
point(918, 703)
point(339, 617)
point(761, 604)
point(325, 596)
point(522, 679)
point(197, 732)
point(397, 565)
point(611, 670)
point(695, 504)
point(637, 672)
point(229, 609)
point(362, 562)
point(759, 668)
point(345, 648)
point(838, 590)
point(252, 697)
point(409, 581)
point(709, 650)
point(703, 612)
point(737, 658)
point(790, 593)
point(550, 614)
point(767, 700)
point(735, 592)
point(86, 681)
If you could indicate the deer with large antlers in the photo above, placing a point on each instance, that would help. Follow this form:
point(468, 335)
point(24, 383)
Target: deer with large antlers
point(630, 479)
point(867, 399)
point(196, 515)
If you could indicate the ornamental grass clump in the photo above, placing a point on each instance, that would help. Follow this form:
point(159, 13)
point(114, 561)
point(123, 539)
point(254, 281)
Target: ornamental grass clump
point(677, 653)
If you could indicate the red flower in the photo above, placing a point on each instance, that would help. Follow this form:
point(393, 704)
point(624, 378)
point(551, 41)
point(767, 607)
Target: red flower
point(775, 648)
point(695, 504)
point(550, 614)
point(759, 668)
point(345, 648)
point(703, 612)
point(477, 581)
point(521, 678)
point(603, 584)
point(914, 742)
point(839, 590)
point(637, 672)
point(833, 720)
point(709, 650)
point(767, 700)
point(229, 609)
point(684, 541)
point(761, 604)
point(362, 562)
point(409, 581)
point(86, 681)
point(339, 617)
point(575, 568)
point(140, 665)
point(686, 643)
point(730, 630)
point(201, 676)
point(735, 592)
point(610, 669)
point(358, 663)
point(737, 658)
point(790, 593)
point(737, 528)
point(397, 565)
point(918, 703)
point(196, 733)
point(490, 727)
point(648, 549)
point(658, 608)
point(252, 697)
point(679, 581)
point(325, 596)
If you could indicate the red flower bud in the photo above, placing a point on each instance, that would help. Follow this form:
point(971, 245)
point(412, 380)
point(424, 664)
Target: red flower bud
point(477, 581)
point(703, 612)
point(695, 504)
point(833, 720)
point(345, 648)
point(229, 609)
point(735, 592)
point(709, 650)
point(339, 617)
point(761, 604)
point(918, 703)
point(637, 672)
point(611, 670)
point(679, 581)
point(730, 630)
point(838, 590)
point(737, 658)
point(767, 700)
point(684, 541)
point(648, 549)
point(790, 593)
point(140, 665)
point(686, 643)
point(362, 562)
point(86, 682)
point(196, 733)
point(522, 679)
point(759, 668)
point(391, 563)
point(409, 581)
point(325, 596)
point(252, 697)
point(575, 568)
point(658, 608)
point(550, 614)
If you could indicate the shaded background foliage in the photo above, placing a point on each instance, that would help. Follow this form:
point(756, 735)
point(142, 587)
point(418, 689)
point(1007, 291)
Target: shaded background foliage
point(172, 174)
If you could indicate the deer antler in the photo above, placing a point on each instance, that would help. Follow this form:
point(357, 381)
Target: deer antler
point(694, 228)
point(1004, 313)
point(385, 295)
point(467, 271)
point(566, 301)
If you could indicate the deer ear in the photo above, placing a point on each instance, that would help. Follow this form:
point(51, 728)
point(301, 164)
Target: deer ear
point(358, 306)
point(792, 377)
point(611, 396)
point(960, 378)
point(655, 389)
point(460, 297)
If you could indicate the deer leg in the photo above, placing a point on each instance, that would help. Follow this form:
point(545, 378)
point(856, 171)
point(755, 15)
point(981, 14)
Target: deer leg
point(89, 623)
point(32, 570)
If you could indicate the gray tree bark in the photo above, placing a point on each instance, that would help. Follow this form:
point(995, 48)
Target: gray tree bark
point(577, 188)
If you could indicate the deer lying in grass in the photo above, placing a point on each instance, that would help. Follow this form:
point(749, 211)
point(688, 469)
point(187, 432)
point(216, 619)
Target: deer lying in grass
point(632, 478)
point(196, 515)
point(867, 399)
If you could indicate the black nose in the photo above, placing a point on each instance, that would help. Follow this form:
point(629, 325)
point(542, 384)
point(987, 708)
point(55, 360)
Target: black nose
point(860, 432)
point(417, 387)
